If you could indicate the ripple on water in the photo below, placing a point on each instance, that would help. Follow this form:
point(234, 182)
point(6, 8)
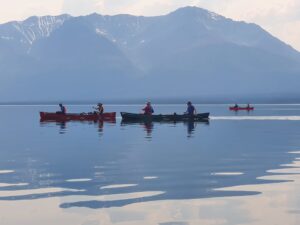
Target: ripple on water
point(12, 185)
point(150, 177)
point(79, 180)
point(118, 186)
point(36, 191)
point(293, 118)
point(6, 171)
point(227, 174)
point(112, 197)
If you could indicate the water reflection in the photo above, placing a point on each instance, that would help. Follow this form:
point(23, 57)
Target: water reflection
point(191, 126)
point(100, 127)
point(148, 126)
point(242, 112)
point(79, 166)
point(63, 124)
point(75, 167)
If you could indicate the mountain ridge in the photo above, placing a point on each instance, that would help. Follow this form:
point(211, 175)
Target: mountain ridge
point(190, 51)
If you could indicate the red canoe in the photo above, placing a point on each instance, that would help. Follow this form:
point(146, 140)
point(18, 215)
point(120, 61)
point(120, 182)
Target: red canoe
point(241, 108)
point(78, 116)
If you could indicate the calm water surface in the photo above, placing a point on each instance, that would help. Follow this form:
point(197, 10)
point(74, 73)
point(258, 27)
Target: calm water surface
point(240, 168)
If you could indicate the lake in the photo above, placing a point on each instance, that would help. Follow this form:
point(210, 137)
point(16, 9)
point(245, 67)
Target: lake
point(240, 168)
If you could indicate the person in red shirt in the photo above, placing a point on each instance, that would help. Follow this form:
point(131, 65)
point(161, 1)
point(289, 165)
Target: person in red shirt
point(148, 110)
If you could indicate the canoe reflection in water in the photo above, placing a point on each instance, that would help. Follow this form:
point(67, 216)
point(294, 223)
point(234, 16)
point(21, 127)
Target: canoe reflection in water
point(190, 128)
point(149, 126)
point(63, 124)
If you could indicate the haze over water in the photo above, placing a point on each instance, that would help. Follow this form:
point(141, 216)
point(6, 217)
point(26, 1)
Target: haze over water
point(240, 168)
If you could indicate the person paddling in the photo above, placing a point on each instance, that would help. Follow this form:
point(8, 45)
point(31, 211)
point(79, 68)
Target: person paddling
point(148, 109)
point(63, 109)
point(190, 109)
point(99, 108)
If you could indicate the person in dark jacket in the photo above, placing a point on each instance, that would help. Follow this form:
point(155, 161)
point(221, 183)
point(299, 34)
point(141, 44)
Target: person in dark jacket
point(190, 109)
point(63, 109)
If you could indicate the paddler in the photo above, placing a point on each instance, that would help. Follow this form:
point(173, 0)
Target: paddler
point(148, 109)
point(190, 109)
point(99, 108)
point(63, 109)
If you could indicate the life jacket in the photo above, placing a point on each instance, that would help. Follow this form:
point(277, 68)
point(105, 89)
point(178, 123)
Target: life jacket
point(148, 110)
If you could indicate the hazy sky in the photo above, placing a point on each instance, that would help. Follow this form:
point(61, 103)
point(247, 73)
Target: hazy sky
point(279, 17)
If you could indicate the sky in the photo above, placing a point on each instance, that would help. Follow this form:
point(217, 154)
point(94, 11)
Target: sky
point(279, 17)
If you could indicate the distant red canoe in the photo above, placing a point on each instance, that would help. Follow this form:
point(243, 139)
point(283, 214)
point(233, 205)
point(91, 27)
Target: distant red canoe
point(78, 116)
point(241, 108)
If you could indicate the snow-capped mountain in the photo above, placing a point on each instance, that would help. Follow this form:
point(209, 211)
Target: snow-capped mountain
point(190, 52)
point(27, 32)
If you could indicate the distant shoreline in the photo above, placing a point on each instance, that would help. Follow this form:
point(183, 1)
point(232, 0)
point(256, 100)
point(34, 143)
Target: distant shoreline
point(156, 102)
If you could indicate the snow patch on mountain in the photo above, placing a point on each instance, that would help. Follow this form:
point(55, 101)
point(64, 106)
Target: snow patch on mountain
point(101, 32)
point(215, 16)
point(35, 28)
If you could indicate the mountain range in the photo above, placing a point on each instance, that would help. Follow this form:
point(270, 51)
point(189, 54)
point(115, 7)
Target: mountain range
point(189, 53)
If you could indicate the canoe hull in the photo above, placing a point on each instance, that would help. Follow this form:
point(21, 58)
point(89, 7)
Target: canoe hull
point(241, 108)
point(170, 117)
point(77, 116)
